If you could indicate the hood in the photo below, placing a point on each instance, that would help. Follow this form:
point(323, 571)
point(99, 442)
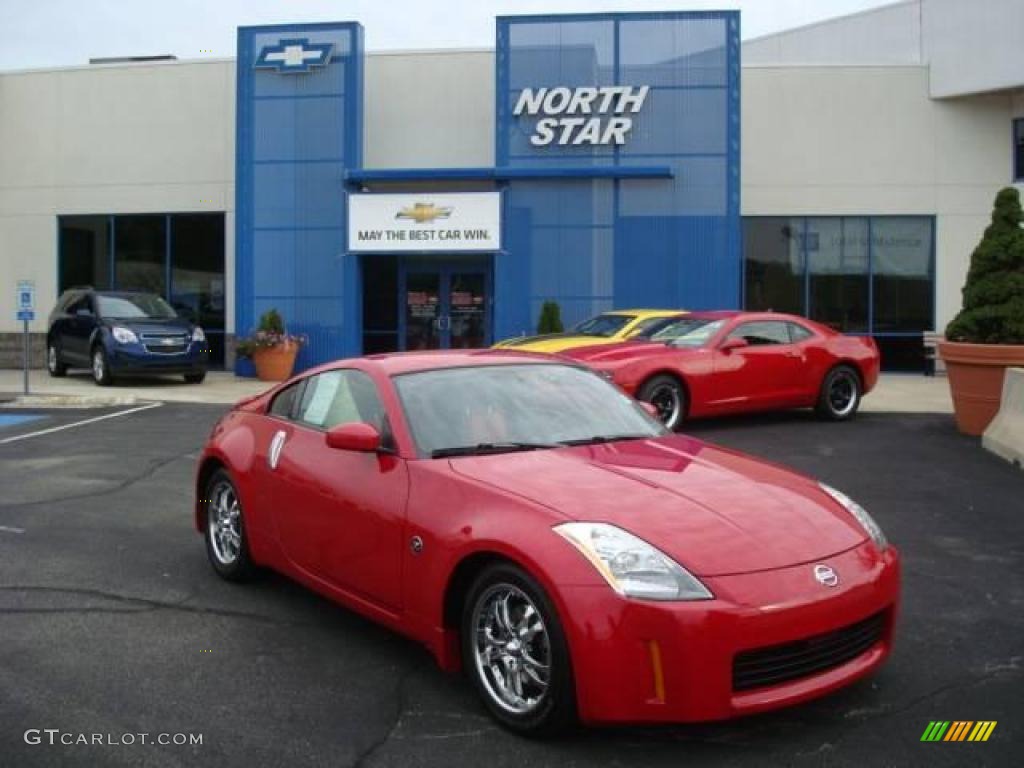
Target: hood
point(715, 511)
point(152, 325)
point(520, 341)
point(623, 351)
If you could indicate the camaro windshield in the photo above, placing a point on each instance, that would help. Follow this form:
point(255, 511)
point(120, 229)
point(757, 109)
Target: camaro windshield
point(603, 325)
point(688, 332)
point(498, 408)
point(142, 305)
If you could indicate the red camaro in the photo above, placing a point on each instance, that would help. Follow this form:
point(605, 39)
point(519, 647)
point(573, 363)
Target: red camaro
point(715, 363)
point(529, 522)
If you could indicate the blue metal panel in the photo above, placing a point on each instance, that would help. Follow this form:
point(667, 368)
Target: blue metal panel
point(609, 238)
point(549, 171)
point(297, 134)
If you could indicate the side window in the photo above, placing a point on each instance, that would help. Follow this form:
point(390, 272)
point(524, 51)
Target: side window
point(284, 400)
point(762, 334)
point(339, 397)
point(79, 303)
point(799, 333)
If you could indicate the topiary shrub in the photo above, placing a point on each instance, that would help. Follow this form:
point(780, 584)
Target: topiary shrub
point(550, 318)
point(993, 296)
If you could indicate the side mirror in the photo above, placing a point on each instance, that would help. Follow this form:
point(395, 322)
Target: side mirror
point(354, 436)
point(650, 409)
point(734, 343)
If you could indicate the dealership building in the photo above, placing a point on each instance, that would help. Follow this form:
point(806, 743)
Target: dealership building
point(418, 199)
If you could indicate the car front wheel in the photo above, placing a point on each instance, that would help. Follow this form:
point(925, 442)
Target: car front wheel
point(226, 544)
point(668, 397)
point(840, 394)
point(195, 378)
point(101, 367)
point(515, 652)
point(53, 362)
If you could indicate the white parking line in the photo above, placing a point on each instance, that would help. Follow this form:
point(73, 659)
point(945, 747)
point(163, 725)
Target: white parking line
point(74, 424)
point(8, 529)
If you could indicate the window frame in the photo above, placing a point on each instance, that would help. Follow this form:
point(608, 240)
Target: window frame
point(1017, 149)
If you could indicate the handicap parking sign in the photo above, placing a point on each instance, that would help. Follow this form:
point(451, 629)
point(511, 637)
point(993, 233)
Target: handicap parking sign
point(25, 300)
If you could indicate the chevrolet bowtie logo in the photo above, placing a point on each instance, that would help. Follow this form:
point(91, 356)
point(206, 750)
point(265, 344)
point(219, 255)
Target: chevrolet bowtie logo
point(424, 212)
point(296, 55)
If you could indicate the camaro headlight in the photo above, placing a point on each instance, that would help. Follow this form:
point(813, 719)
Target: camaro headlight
point(630, 565)
point(867, 521)
point(198, 335)
point(123, 335)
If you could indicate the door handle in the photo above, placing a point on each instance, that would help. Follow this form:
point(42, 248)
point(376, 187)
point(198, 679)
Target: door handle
point(444, 323)
point(274, 454)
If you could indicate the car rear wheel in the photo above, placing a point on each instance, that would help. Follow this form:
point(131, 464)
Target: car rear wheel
point(226, 544)
point(514, 650)
point(195, 378)
point(53, 362)
point(101, 367)
point(668, 397)
point(840, 394)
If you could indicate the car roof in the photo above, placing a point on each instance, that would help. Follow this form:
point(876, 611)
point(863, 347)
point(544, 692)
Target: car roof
point(397, 363)
point(664, 312)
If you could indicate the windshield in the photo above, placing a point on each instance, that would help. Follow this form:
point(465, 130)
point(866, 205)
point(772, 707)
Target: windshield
point(652, 326)
point(143, 305)
point(603, 325)
point(515, 407)
point(688, 332)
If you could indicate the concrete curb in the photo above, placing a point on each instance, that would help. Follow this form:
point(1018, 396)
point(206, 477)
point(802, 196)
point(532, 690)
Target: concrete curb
point(1005, 435)
point(69, 401)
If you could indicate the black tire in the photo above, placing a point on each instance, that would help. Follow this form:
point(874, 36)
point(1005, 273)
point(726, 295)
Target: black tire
point(54, 365)
point(554, 709)
point(101, 366)
point(840, 394)
point(236, 564)
point(668, 395)
point(195, 378)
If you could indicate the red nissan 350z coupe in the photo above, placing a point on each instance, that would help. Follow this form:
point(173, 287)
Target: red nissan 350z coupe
point(716, 363)
point(531, 523)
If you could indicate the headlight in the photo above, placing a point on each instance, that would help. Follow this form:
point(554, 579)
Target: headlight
point(631, 566)
point(198, 335)
point(867, 521)
point(123, 335)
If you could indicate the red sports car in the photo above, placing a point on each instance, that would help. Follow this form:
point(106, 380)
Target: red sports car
point(715, 363)
point(529, 522)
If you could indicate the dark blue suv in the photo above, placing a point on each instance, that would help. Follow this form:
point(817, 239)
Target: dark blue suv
point(119, 332)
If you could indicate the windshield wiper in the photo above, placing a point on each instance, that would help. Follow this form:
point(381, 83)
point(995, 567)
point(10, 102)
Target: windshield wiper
point(604, 439)
point(485, 448)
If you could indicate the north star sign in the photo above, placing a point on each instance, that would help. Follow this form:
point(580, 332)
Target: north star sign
point(296, 55)
point(603, 113)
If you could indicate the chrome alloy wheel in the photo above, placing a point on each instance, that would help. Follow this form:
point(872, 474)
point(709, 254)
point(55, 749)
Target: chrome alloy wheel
point(512, 649)
point(98, 365)
point(51, 358)
point(224, 521)
point(666, 400)
point(843, 392)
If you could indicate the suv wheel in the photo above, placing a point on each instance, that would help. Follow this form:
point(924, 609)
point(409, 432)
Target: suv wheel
point(100, 367)
point(195, 378)
point(53, 363)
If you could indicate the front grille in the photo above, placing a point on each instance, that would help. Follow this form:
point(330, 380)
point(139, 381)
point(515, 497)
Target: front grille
point(165, 343)
point(802, 658)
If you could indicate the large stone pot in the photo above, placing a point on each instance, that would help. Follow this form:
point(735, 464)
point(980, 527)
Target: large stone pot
point(275, 363)
point(976, 380)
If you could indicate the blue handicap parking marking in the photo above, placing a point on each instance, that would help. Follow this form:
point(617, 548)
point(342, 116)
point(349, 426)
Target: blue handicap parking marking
point(13, 419)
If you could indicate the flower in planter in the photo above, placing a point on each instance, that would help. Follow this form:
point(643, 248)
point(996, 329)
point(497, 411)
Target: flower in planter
point(270, 333)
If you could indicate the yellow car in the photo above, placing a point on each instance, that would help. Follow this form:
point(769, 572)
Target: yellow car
point(606, 328)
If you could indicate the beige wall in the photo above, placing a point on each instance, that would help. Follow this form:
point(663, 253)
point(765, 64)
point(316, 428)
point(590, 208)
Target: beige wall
point(118, 139)
point(869, 140)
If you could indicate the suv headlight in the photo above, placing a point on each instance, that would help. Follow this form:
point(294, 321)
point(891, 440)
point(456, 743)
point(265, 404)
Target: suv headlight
point(867, 521)
point(630, 565)
point(198, 335)
point(124, 335)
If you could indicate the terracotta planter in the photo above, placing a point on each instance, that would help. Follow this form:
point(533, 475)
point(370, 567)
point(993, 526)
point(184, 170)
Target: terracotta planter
point(976, 380)
point(275, 363)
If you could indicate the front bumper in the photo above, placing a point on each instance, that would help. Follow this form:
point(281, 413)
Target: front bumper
point(134, 358)
point(640, 661)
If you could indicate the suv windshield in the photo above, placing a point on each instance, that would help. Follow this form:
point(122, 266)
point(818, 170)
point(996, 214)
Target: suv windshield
point(602, 325)
point(688, 332)
point(136, 305)
point(499, 408)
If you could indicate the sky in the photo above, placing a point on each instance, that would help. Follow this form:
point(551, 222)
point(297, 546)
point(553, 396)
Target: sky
point(56, 33)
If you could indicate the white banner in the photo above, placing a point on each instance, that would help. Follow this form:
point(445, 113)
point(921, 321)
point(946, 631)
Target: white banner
point(449, 222)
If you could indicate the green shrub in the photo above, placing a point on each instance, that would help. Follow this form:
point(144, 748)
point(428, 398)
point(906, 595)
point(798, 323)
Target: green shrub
point(993, 307)
point(550, 318)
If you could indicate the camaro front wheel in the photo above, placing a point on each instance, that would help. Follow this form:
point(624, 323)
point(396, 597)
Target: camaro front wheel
point(226, 544)
point(840, 394)
point(514, 650)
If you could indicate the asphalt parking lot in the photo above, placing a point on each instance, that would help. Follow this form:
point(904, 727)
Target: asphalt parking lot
point(111, 620)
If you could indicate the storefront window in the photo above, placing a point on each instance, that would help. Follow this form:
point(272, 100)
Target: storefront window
point(140, 246)
point(1018, 149)
point(84, 257)
point(197, 273)
point(837, 265)
point(903, 289)
point(774, 264)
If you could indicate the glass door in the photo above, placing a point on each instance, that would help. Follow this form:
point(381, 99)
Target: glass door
point(467, 310)
point(444, 307)
point(422, 307)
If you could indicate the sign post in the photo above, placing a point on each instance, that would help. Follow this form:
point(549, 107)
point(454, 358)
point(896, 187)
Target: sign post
point(26, 304)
